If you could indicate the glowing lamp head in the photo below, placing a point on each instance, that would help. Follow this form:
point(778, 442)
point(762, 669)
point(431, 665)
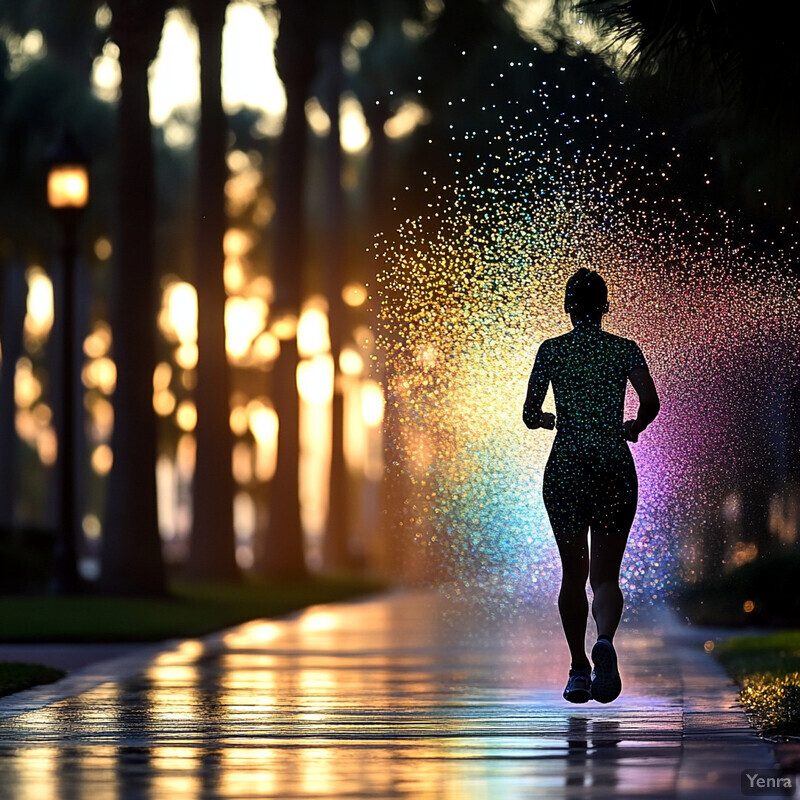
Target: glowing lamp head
point(68, 186)
point(68, 175)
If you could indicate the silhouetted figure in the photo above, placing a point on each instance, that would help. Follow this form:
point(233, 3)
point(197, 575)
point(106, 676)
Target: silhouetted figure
point(590, 478)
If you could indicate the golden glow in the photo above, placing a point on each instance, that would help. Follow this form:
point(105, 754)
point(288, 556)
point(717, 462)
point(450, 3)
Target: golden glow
point(242, 188)
point(102, 459)
point(318, 621)
point(354, 134)
point(68, 186)
point(312, 329)
point(162, 377)
point(748, 606)
point(103, 17)
point(356, 434)
point(27, 388)
point(103, 248)
point(245, 319)
point(408, 118)
point(176, 772)
point(236, 242)
point(101, 413)
point(41, 762)
point(91, 527)
point(106, 73)
point(242, 459)
point(186, 416)
point(249, 79)
point(285, 327)
point(178, 316)
point(233, 275)
point(784, 511)
point(23, 51)
point(245, 521)
point(253, 634)
point(98, 343)
point(354, 294)
point(186, 355)
point(174, 74)
point(47, 446)
point(262, 287)
point(315, 379)
point(252, 771)
point(533, 18)
point(317, 118)
point(185, 454)
point(266, 347)
point(33, 418)
point(263, 423)
point(350, 362)
point(238, 420)
point(100, 373)
point(361, 34)
point(164, 402)
point(744, 553)
point(372, 403)
point(40, 314)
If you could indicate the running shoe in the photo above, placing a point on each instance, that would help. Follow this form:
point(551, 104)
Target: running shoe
point(606, 683)
point(578, 688)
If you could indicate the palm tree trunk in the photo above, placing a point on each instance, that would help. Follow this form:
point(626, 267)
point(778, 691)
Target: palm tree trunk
point(336, 546)
point(13, 304)
point(283, 552)
point(131, 559)
point(212, 550)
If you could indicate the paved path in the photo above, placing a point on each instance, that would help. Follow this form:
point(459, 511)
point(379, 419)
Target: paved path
point(406, 696)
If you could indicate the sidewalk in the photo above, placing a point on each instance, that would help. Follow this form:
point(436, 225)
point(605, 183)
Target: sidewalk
point(405, 696)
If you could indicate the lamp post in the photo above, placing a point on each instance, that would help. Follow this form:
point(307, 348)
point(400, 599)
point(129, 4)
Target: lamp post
point(67, 196)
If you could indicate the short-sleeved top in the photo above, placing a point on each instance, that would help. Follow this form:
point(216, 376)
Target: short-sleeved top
point(589, 370)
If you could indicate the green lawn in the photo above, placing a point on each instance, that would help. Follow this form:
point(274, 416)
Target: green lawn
point(191, 610)
point(767, 669)
point(16, 677)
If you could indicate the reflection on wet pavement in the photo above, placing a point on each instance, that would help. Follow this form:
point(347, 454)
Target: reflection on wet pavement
point(400, 698)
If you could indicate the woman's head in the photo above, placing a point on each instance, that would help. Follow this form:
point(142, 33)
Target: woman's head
point(586, 295)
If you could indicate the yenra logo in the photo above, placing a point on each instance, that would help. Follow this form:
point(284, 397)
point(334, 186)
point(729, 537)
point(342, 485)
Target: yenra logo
point(763, 781)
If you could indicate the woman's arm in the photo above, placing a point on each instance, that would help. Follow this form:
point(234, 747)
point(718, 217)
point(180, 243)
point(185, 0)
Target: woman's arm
point(649, 404)
point(532, 414)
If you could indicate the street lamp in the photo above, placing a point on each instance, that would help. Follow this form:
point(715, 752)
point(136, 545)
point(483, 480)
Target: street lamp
point(67, 196)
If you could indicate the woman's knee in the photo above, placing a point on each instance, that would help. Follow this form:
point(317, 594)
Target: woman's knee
point(576, 572)
point(606, 582)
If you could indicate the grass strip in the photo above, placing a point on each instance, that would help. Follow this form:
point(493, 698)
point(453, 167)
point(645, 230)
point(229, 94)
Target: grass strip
point(191, 609)
point(767, 669)
point(16, 677)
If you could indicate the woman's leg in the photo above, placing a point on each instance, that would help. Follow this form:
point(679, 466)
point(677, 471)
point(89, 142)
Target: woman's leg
point(610, 528)
point(608, 547)
point(564, 493)
point(573, 607)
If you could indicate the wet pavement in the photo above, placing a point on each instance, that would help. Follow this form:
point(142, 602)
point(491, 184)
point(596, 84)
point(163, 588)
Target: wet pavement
point(404, 696)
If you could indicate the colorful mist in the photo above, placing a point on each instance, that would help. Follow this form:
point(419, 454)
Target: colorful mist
point(470, 289)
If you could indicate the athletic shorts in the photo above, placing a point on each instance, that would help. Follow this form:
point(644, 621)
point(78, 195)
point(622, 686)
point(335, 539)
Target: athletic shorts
point(588, 489)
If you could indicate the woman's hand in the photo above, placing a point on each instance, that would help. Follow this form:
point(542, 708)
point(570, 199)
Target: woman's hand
point(631, 431)
point(547, 420)
point(539, 419)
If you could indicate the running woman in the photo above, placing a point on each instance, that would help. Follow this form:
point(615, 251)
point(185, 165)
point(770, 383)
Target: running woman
point(590, 479)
